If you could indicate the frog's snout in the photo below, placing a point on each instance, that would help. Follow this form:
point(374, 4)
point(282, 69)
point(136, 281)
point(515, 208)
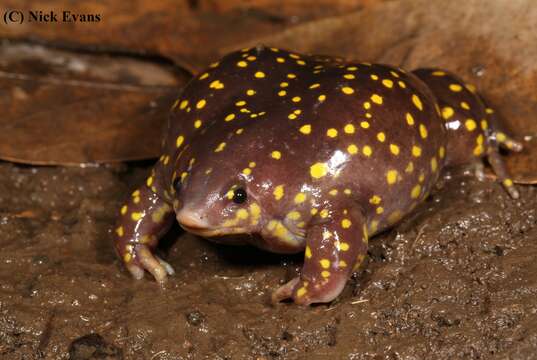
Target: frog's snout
point(191, 220)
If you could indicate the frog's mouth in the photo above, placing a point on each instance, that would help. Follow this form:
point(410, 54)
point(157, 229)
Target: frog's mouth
point(196, 224)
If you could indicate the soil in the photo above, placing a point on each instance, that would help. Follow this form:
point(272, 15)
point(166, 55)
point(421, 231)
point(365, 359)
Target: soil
point(455, 280)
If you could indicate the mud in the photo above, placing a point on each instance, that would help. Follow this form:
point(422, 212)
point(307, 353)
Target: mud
point(456, 280)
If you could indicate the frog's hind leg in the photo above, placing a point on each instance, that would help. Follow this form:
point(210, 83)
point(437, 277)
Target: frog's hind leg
point(497, 138)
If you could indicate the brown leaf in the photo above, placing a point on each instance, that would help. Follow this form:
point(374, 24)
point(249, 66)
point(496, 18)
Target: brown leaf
point(193, 33)
point(68, 108)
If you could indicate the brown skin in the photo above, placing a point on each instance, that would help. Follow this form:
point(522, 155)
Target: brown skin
point(310, 153)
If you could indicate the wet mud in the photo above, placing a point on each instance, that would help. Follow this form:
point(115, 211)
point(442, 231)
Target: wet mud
point(455, 280)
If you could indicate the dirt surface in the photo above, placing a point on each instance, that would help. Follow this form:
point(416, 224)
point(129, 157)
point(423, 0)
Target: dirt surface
point(458, 279)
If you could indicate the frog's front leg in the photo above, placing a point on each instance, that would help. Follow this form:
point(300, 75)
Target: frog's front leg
point(336, 244)
point(144, 219)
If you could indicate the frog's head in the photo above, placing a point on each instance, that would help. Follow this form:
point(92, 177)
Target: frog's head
point(219, 195)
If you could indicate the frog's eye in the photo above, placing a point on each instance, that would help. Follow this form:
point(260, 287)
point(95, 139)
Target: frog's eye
point(239, 196)
point(176, 185)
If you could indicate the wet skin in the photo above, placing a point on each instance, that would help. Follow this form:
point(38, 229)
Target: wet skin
point(311, 153)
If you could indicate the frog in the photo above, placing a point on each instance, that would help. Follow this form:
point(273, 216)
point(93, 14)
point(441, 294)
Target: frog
point(311, 154)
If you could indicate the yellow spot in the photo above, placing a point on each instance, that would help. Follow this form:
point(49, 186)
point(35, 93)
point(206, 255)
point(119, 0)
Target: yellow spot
point(352, 149)
point(251, 58)
point(294, 215)
point(242, 214)
point(246, 171)
point(314, 86)
point(388, 83)
point(349, 129)
point(438, 73)
point(179, 141)
point(280, 60)
point(344, 246)
point(391, 176)
point(416, 151)
point(324, 213)
point(434, 164)
point(240, 103)
point(259, 74)
point(217, 85)
point(375, 200)
point(119, 231)
point(442, 152)
point(349, 76)
point(307, 252)
point(367, 150)
point(347, 90)
point(401, 84)
point(333, 192)
point(447, 112)
point(364, 124)
point(325, 263)
point(296, 99)
point(508, 182)
point(278, 192)
point(374, 77)
point(313, 211)
point(276, 155)
point(379, 210)
point(220, 147)
point(322, 98)
point(489, 111)
point(325, 274)
point(251, 164)
point(367, 105)
point(352, 68)
point(301, 292)
point(347, 191)
point(470, 124)
point(501, 137)
point(318, 170)
point(455, 87)
point(282, 93)
point(305, 129)
point(250, 92)
point(409, 119)
point(331, 133)
point(204, 76)
point(292, 116)
point(149, 181)
point(410, 167)
point(415, 193)
point(346, 223)
point(465, 105)
point(239, 131)
point(484, 124)
point(242, 64)
point(291, 76)
point(201, 104)
point(300, 198)
point(381, 137)
point(423, 131)
point(197, 124)
point(124, 209)
point(377, 99)
point(136, 216)
point(230, 117)
point(127, 257)
point(342, 264)
point(183, 104)
point(394, 149)
point(416, 100)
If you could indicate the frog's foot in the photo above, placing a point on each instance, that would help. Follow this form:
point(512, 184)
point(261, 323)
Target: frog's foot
point(139, 258)
point(304, 292)
point(498, 165)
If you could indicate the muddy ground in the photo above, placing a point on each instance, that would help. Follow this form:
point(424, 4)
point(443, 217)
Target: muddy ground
point(456, 280)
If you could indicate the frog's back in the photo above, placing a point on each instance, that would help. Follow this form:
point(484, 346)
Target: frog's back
point(376, 123)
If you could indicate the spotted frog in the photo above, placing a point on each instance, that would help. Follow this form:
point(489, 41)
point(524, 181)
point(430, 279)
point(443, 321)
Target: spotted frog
point(307, 154)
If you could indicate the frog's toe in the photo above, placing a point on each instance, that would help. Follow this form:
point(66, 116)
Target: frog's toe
point(136, 271)
point(155, 266)
point(285, 292)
